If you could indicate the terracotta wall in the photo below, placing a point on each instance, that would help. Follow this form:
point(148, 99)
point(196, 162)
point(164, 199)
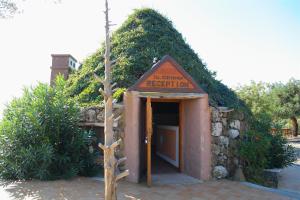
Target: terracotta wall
point(132, 137)
point(196, 136)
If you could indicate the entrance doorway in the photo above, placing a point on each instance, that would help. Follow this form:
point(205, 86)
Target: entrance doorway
point(163, 137)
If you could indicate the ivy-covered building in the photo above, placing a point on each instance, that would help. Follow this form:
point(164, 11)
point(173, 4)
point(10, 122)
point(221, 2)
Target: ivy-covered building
point(166, 99)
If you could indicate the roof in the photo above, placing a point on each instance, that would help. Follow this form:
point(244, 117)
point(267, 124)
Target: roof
point(166, 76)
point(64, 55)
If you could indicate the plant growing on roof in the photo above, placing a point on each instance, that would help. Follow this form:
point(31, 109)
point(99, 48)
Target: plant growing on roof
point(146, 35)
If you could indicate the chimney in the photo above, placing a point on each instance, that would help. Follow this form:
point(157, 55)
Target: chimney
point(62, 64)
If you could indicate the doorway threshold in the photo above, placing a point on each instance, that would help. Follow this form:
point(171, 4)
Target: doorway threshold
point(174, 179)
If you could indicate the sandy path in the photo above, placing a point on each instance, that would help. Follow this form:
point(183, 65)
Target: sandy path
point(88, 189)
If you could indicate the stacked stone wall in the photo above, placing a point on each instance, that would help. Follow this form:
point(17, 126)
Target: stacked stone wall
point(226, 128)
point(94, 117)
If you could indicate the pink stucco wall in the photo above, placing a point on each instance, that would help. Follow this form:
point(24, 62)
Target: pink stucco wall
point(196, 136)
point(132, 136)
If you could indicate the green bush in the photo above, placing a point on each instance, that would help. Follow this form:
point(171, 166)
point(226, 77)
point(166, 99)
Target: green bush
point(280, 153)
point(261, 150)
point(253, 151)
point(39, 136)
point(118, 95)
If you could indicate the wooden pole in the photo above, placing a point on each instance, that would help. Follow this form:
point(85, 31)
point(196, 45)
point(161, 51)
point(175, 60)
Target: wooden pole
point(110, 162)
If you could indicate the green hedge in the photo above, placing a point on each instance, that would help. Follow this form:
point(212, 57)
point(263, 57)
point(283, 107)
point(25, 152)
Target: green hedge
point(40, 138)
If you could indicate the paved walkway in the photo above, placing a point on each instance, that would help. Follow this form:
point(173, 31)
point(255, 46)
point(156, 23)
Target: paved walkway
point(89, 189)
point(290, 176)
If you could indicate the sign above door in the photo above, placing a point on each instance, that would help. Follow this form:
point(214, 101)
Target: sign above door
point(166, 76)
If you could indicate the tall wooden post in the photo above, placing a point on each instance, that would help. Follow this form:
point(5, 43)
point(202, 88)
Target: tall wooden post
point(110, 162)
point(149, 139)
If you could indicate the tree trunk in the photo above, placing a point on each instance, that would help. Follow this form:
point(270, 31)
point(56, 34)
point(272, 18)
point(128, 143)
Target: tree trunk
point(294, 126)
point(110, 162)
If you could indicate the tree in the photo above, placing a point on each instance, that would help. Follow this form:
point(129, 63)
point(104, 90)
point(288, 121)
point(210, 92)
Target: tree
point(144, 36)
point(271, 103)
point(7, 8)
point(289, 101)
point(110, 162)
point(261, 100)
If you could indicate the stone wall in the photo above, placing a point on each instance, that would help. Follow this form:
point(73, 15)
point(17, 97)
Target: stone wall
point(93, 117)
point(226, 127)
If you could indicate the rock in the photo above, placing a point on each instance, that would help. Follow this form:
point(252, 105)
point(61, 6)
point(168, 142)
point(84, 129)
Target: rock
point(215, 115)
point(236, 124)
point(220, 172)
point(82, 116)
point(224, 121)
point(216, 149)
point(239, 175)
point(100, 117)
point(233, 133)
point(222, 159)
point(224, 141)
point(237, 115)
point(271, 177)
point(236, 162)
point(217, 129)
point(91, 115)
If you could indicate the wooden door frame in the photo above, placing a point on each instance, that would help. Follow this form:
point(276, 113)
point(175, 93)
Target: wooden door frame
point(149, 130)
point(181, 146)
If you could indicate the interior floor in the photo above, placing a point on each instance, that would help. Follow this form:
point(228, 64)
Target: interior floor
point(160, 166)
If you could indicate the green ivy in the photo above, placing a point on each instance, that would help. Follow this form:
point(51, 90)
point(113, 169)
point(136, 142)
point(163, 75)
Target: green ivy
point(144, 36)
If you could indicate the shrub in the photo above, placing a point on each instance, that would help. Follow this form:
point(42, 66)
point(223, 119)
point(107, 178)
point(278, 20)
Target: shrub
point(39, 136)
point(118, 95)
point(261, 150)
point(280, 153)
point(253, 150)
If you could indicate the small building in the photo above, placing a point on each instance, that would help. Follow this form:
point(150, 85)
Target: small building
point(168, 125)
point(167, 121)
point(62, 64)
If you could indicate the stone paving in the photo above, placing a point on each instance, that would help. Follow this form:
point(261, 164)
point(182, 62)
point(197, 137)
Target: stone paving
point(290, 177)
point(89, 189)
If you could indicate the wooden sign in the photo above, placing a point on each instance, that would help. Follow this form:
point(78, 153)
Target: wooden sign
point(167, 76)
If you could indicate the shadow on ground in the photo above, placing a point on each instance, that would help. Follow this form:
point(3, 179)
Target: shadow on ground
point(19, 190)
point(77, 188)
point(88, 189)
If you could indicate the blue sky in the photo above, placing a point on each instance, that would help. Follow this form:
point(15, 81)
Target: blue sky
point(240, 40)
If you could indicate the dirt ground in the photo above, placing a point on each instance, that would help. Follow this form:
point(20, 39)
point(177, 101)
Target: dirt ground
point(89, 189)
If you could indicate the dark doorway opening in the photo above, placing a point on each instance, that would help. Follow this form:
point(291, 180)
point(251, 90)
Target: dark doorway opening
point(165, 139)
